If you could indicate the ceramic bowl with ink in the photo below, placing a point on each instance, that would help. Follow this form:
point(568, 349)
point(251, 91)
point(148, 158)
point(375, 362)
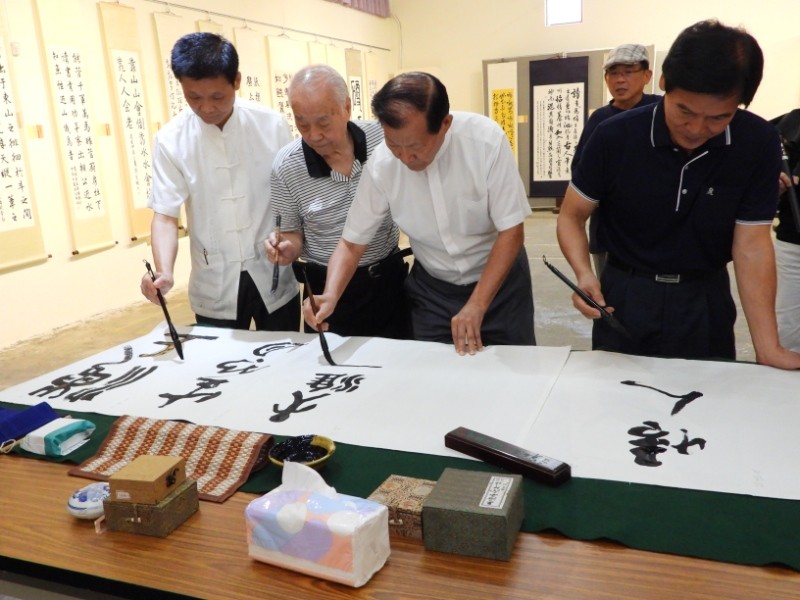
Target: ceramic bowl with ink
point(310, 450)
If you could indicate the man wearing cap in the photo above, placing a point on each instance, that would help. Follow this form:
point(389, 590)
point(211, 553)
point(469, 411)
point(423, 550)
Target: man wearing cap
point(627, 72)
point(684, 187)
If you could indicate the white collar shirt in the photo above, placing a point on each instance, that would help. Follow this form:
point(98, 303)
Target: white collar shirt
point(453, 210)
point(222, 177)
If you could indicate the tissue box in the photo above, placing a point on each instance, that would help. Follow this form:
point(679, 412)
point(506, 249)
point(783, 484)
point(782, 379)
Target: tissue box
point(159, 519)
point(305, 526)
point(473, 513)
point(147, 479)
point(403, 497)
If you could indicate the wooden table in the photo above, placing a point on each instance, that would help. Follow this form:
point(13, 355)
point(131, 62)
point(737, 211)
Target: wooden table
point(207, 557)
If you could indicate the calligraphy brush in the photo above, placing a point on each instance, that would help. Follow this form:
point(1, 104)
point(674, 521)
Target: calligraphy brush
point(276, 269)
point(176, 340)
point(322, 341)
point(610, 319)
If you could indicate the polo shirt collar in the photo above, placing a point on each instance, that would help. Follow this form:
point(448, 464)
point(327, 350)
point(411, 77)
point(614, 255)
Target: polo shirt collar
point(659, 134)
point(316, 165)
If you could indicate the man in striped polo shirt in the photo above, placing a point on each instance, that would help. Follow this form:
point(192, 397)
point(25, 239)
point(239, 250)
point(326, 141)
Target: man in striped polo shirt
point(314, 180)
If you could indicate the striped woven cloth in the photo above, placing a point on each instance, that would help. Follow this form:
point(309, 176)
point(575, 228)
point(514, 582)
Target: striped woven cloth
point(219, 459)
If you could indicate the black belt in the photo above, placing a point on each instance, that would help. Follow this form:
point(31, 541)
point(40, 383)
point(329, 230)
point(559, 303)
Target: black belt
point(373, 270)
point(660, 277)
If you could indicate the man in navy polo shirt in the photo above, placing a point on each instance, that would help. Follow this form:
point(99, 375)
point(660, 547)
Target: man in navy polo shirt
point(683, 187)
point(627, 72)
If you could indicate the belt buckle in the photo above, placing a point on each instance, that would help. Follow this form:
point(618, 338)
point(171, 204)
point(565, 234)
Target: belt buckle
point(374, 270)
point(668, 278)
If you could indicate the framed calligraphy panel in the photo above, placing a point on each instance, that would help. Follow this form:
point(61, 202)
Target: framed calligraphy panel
point(558, 112)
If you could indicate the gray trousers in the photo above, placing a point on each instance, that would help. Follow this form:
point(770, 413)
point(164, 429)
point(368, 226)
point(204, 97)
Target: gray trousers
point(509, 320)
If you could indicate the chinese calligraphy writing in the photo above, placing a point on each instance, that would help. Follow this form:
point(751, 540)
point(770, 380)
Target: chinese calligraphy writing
point(75, 122)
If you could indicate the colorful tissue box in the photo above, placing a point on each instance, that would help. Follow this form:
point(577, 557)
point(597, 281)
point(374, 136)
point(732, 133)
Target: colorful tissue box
point(403, 496)
point(321, 533)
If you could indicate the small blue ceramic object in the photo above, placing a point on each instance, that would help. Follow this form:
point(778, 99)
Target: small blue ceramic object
point(87, 502)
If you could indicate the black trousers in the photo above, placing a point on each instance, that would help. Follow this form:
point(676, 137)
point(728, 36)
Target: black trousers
point(509, 320)
point(690, 319)
point(373, 304)
point(250, 307)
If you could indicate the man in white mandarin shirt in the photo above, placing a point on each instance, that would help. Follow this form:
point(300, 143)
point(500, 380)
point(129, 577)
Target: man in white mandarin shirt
point(215, 159)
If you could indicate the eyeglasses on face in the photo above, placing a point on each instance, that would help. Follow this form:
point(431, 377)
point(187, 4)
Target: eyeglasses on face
point(626, 72)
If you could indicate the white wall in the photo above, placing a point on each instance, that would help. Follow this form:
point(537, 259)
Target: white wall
point(67, 289)
point(453, 37)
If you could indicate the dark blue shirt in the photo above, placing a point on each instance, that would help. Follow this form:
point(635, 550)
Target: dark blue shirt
point(665, 211)
point(600, 115)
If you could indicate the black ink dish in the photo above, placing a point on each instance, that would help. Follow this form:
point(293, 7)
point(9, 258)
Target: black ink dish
point(309, 450)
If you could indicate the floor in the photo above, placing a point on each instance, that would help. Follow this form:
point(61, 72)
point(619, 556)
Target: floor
point(557, 323)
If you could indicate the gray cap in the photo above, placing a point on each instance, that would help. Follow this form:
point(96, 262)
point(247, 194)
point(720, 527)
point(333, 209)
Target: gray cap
point(627, 54)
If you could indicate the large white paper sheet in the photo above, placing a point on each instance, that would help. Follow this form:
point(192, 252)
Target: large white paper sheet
point(399, 395)
point(746, 417)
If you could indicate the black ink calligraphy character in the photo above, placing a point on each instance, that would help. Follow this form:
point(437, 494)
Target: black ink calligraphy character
point(200, 392)
point(132, 376)
point(169, 346)
point(274, 347)
point(683, 401)
point(232, 366)
point(90, 376)
point(335, 383)
point(683, 447)
point(295, 407)
point(648, 448)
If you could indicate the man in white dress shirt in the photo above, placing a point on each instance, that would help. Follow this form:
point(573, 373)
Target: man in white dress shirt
point(451, 183)
point(215, 158)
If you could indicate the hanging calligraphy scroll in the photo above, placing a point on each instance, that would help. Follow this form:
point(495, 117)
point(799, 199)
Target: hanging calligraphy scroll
point(121, 40)
point(317, 53)
point(355, 82)
point(286, 57)
point(209, 26)
point(76, 124)
point(21, 240)
point(558, 113)
point(251, 46)
point(169, 29)
point(502, 99)
point(377, 73)
point(336, 59)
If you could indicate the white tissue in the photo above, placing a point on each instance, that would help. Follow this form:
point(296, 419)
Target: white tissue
point(297, 476)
